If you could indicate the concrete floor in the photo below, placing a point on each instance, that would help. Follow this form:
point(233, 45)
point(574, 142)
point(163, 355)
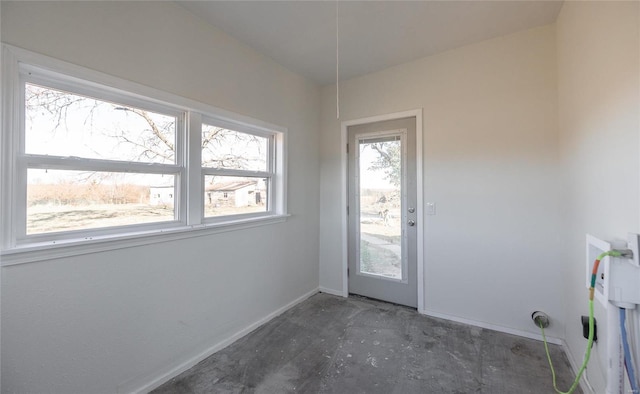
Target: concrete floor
point(330, 344)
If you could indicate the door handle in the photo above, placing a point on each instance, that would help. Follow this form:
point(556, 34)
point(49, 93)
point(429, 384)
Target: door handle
point(411, 223)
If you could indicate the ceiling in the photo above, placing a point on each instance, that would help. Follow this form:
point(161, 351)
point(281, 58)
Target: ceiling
point(373, 35)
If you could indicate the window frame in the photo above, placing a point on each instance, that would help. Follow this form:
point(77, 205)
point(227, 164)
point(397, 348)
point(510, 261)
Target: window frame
point(25, 161)
point(20, 66)
point(268, 173)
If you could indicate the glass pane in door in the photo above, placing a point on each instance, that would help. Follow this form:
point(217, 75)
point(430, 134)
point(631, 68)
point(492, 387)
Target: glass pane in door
point(380, 198)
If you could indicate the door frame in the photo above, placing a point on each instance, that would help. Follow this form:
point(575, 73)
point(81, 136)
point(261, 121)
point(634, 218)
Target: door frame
point(417, 113)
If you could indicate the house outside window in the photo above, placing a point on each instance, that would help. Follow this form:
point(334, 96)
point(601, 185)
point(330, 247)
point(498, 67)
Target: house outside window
point(88, 155)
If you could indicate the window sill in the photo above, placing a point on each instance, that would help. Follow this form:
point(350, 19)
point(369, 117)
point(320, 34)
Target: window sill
point(32, 253)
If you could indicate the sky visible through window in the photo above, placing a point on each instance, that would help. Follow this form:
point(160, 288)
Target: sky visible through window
point(371, 178)
point(63, 124)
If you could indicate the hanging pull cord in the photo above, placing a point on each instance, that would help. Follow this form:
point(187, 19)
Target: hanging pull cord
point(337, 61)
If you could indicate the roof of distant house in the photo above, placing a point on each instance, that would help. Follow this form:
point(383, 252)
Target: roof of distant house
point(229, 186)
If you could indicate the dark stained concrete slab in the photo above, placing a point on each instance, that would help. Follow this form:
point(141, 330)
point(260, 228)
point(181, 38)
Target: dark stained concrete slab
point(330, 344)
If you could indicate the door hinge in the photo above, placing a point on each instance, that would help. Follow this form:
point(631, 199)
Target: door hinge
point(347, 210)
point(347, 271)
point(347, 148)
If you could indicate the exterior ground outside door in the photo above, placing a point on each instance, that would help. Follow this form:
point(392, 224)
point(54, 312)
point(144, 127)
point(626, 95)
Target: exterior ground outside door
point(382, 211)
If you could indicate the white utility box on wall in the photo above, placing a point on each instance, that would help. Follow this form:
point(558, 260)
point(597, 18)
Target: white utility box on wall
point(618, 278)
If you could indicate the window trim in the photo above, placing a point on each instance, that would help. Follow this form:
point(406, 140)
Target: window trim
point(30, 74)
point(269, 173)
point(190, 211)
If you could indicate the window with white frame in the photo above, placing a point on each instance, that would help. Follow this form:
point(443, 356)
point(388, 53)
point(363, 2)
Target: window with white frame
point(237, 169)
point(82, 159)
point(90, 159)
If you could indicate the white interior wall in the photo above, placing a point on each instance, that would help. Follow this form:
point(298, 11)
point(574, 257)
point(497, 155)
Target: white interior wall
point(115, 321)
point(599, 105)
point(490, 165)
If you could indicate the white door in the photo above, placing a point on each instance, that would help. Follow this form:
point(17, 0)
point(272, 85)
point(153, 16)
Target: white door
point(382, 211)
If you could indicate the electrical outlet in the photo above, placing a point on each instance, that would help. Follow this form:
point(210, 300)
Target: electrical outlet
point(585, 328)
point(634, 241)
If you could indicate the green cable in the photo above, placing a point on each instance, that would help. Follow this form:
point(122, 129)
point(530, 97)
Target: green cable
point(587, 354)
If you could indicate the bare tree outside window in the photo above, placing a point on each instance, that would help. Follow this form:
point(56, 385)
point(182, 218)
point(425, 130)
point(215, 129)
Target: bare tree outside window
point(388, 160)
point(380, 178)
point(63, 124)
point(232, 150)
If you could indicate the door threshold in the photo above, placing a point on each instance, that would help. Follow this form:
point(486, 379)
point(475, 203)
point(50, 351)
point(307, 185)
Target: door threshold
point(356, 296)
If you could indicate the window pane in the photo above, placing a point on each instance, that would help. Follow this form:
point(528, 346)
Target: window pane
point(223, 148)
point(65, 124)
point(379, 170)
point(60, 200)
point(229, 195)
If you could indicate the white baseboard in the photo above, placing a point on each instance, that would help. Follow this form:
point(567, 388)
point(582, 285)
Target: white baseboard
point(507, 330)
point(136, 386)
point(327, 290)
point(584, 382)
